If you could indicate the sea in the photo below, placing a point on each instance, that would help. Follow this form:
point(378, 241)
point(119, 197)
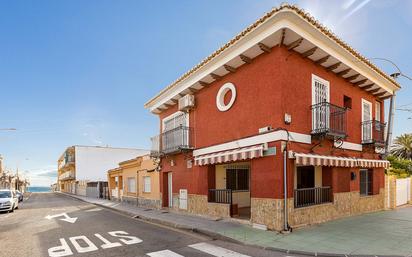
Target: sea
point(39, 189)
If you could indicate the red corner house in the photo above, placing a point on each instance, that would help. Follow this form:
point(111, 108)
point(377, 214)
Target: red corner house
point(285, 106)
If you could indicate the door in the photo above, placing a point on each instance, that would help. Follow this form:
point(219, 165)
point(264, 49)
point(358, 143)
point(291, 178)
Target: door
point(169, 189)
point(366, 121)
point(320, 112)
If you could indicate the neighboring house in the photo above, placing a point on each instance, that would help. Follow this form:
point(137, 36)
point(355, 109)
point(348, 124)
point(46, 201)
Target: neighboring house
point(136, 181)
point(285, 96)
point(10, 181)
point(82, 169)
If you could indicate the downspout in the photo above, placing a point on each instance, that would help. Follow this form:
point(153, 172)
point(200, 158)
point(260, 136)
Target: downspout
point(390, 124)
point(285, 190)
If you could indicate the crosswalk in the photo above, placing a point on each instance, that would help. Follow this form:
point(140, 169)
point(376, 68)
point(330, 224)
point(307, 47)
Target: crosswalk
point(210, 249)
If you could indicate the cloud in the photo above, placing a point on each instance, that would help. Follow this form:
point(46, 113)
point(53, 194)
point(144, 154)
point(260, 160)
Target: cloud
point(52, 174)
point(356, 9)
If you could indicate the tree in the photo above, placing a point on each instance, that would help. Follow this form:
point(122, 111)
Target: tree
point(402, 147)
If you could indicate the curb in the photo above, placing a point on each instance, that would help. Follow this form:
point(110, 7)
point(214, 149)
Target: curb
point(218, 236)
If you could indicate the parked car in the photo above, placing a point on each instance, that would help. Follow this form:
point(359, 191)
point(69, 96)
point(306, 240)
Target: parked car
point(19, 195)
point(8, 200)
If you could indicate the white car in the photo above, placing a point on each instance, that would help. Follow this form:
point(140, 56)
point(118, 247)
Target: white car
point(8, 200)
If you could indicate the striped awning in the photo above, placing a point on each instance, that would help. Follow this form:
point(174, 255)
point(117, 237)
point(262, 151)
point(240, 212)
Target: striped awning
point(238, 154)
point(323, 160)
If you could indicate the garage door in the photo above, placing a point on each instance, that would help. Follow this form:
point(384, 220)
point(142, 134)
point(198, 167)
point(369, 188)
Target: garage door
point(403, 191)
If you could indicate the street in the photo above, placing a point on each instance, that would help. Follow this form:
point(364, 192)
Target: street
point(48, 224)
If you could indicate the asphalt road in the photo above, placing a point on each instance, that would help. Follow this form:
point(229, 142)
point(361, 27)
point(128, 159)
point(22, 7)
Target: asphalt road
point(83, 229)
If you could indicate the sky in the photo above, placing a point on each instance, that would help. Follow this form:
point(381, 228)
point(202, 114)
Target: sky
point(78, 72)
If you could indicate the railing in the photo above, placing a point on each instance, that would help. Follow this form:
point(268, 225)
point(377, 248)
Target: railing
point(155, 150)
point(312, 196)
point(171, 141)
point(373, 132)
point(67, 175)
point(220, 196)
point(328, 119)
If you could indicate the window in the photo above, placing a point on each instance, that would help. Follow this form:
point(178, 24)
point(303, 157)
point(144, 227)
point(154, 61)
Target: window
point(377, 111)
point(147, 184)
point(305, 177)
point(131, 185)
point(175, 120)
point(366, 182)
point(237, 179)
point(347, 102)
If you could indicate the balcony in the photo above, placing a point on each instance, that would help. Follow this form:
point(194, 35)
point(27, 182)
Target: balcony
point(172, 141)
point(67, 160)
point(373, 133)
point(312, 196)
point(68, 175)
point(329, 120)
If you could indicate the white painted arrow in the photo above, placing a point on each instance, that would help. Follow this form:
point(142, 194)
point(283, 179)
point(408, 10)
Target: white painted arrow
point(67, 218)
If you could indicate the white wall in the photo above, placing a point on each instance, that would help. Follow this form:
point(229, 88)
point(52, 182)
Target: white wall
point(92, 163)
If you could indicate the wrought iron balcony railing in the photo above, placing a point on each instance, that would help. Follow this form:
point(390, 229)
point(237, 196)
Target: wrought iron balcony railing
point(312, 196)
point(373, 132)
point(172, 141)
point(329, 120)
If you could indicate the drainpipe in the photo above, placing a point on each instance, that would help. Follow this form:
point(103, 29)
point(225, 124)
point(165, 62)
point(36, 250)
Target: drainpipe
point(390, 124)
point(285, 190)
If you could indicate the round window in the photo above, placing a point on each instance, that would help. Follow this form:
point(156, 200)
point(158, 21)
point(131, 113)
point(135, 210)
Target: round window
point(221, 104)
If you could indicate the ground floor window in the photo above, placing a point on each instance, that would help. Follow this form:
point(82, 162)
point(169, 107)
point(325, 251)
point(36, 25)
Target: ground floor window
point(237, 179)
point(366, 182)
point(131, 185)
point(305, 177)
point(147, 184)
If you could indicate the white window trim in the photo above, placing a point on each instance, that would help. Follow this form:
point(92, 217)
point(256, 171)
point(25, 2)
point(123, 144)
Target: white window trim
point(370, 115)
point(370, 104)
point(173, 115)
point(378, 113)
point(128, 185)
point(323, 81)
point(145, 189)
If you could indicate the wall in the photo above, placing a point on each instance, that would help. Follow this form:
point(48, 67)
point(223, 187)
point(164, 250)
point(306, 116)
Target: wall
point(265, 90)
point(92, 163)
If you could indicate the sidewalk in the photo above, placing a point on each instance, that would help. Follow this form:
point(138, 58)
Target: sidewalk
point(382, 233)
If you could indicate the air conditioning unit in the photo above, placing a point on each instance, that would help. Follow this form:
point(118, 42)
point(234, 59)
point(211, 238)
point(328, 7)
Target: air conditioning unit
point(187, 102)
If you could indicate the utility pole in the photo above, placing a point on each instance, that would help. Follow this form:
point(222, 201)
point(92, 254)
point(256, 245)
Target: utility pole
point(390, 124)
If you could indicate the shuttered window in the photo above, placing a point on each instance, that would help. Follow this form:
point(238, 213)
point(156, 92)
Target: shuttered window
point(131, 185)
point(147, 184)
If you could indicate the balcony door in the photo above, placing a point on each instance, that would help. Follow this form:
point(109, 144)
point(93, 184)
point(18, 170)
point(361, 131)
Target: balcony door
point(175, 132)
point(320, 94)
point(366, 118)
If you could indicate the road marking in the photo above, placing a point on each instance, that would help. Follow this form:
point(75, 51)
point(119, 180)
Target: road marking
point(164, 253)
point(82, 244)
point(94, 209)
point(66, 217)
point(121, 234)
point(83, 249)
point(216, 250)
point(59, 209)
point(107, 244)
point(62, 250)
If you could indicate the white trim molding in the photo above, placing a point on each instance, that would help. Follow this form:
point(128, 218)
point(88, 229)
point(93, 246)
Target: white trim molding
point(220, 97)
point(266, 138)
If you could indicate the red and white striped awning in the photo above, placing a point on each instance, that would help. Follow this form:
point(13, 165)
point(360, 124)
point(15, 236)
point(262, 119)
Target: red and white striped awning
point(323, 160)
point(238, 154)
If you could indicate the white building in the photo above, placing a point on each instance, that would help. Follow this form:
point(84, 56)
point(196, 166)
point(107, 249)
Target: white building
point(80, 165)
